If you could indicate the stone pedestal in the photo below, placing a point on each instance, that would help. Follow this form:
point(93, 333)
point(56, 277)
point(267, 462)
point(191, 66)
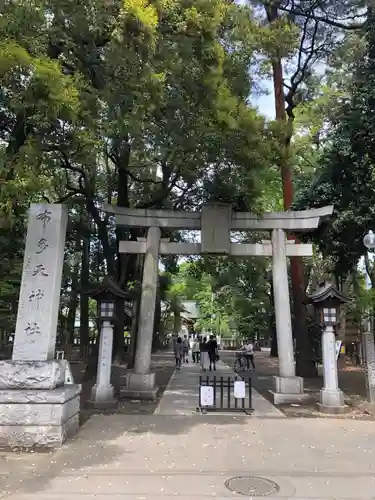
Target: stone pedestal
point(29, 375)
point(140, 386)
point(102, 395)
point(141, 383)
point(332, 402)
point(287, 390)
point(37, 409)
point(331, 398)
point(287, 387)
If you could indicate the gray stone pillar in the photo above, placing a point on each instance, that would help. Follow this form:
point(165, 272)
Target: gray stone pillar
point(287, 387)
point(141, 383)
point(37, 408)
point(368, 356)
point(331, 398)
point(102, 395)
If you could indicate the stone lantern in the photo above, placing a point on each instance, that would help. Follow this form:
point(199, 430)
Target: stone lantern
point(327, 301)
point(105, 294)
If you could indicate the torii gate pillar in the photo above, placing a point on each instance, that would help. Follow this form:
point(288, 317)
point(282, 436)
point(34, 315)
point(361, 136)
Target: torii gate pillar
point(287, 387)
point(141, 382)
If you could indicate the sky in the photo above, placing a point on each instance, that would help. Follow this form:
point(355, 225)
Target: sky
point(265, 103)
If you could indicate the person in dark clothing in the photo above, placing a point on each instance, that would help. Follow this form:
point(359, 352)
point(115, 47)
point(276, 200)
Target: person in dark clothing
point(203, 353)
point(212, 352)
point(179, 352)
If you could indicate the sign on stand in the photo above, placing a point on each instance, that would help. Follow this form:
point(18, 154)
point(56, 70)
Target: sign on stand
point(338, 348)
point(239, 389)
point(207, 395)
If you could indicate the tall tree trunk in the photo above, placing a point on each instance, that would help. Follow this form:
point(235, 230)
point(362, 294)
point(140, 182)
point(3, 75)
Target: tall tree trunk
point(102, 235)
point(84, 298)
point(274, 353)
point(304, 353)
point(305, 365)
point(157, 318)
point(176, 321)
point(118, 352)
point(135, 310)
point(121, 234)
point(73, 298)
point(134, 331)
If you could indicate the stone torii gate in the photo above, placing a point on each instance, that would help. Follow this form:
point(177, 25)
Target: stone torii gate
point(216, 221)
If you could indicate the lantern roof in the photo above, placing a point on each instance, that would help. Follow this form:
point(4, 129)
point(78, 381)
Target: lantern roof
point(106, 289)
point(326, 291)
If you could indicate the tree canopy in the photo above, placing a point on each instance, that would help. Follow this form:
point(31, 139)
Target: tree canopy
point(147, 104)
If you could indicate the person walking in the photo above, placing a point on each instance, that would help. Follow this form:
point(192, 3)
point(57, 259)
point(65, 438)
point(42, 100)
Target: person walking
point(203, 350)
point(195, 351)
point(186, 345)
point(249, 354)
point(179, 352)
point(212, 352)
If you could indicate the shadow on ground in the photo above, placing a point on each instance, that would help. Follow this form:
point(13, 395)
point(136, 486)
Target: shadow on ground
point(106, 441)
point(163, 365)
point(31, 472)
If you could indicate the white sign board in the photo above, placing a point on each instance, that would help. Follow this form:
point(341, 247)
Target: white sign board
point(207, 395)
point(68, 374)
point(239, 389)
point(338, 348)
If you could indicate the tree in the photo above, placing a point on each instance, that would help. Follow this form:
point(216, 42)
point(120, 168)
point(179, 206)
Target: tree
point(316, 27)
point(346, 164)
point(34, 95)
point(231, 294)
point(140, 104)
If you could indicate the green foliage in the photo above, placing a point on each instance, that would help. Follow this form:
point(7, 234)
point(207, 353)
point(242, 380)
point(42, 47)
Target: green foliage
point(146, 104)
point(346, 173)
point(11, 244)
point(231, 294)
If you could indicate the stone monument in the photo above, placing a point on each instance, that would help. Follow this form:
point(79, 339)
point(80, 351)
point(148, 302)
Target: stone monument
point(37, 408)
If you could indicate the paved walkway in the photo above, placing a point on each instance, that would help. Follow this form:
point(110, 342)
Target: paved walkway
point(181, 395)
point(190, 456)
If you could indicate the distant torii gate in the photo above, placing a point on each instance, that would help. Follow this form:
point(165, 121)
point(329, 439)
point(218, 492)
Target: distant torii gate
point(216, 221)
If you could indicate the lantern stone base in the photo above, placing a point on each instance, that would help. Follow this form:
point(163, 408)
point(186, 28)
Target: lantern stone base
point(287, 390)
point(38, 418)
point(102, 397)
point(140, 386)
point(332, 402)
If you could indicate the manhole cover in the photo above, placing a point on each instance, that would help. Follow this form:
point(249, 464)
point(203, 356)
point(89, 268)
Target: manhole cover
point(252, 486)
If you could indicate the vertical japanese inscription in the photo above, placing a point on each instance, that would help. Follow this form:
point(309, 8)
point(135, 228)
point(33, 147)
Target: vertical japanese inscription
point(32, 329)
point(37, 317)
point(42, 245)
point(45, 217)
point(40, 270)
point(36, 295)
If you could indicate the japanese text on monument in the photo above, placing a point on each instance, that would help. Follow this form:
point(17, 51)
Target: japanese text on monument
point(36, 326)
